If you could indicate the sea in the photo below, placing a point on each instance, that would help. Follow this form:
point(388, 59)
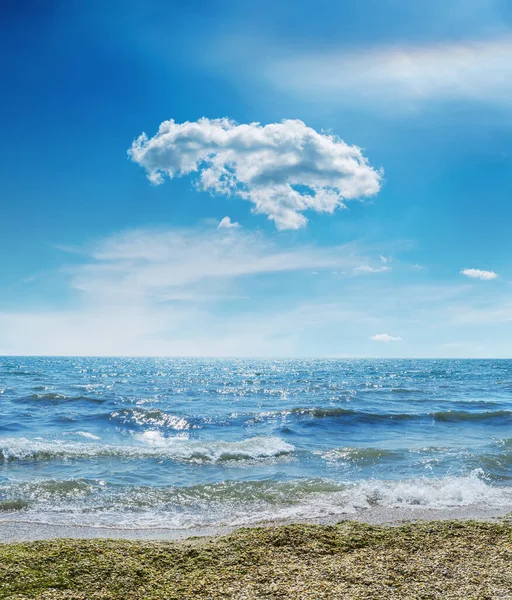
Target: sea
point(183, 444)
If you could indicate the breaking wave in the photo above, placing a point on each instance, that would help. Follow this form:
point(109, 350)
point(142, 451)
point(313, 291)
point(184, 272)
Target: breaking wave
point(239, 503)
point(152, 444)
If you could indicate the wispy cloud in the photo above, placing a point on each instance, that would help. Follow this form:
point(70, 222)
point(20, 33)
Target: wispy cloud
point(479, 274)
point(283, 169)
point(230, 292)
point(479, 70)
point(492, 312)
point(369, 269)
point(165, 265)
point(167, 292)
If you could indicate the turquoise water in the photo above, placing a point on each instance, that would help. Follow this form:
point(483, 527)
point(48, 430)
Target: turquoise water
point(182, 443)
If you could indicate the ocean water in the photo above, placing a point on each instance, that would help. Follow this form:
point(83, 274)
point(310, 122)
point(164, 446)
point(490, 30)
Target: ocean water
point(192, 443)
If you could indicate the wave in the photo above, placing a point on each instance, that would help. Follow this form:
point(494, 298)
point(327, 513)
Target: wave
point(12, 505)
point(331, 412)
point(150, 417)
point(85, 434)
point(438, 493)
point(48, 396)
point(19, 373)
point(50, 493)
point(55, 397)
point(239, 503)
point(152, 444)
point(375, 417)
point(360, 456)
point(459, 415)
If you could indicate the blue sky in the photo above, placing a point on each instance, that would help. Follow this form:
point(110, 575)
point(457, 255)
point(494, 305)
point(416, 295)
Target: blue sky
point(371, 203)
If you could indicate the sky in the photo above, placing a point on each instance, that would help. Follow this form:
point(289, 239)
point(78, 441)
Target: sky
point(241, 178)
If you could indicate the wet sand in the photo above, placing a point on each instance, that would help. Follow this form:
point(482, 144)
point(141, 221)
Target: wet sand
point(14, 528)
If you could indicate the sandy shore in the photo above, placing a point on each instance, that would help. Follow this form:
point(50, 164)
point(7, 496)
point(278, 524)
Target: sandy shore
point(431, 560)
point(16, 528)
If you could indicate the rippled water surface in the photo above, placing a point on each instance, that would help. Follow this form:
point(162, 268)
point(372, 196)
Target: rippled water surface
point(183, 443)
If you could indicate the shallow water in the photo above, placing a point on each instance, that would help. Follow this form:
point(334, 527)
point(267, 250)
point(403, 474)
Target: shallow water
point(191, 443)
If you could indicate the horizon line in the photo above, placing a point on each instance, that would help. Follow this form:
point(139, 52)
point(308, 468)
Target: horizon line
point(290, 357)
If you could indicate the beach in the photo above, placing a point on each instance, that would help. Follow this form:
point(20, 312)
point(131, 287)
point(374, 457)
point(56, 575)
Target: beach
point(202, 478)
point(435, 559)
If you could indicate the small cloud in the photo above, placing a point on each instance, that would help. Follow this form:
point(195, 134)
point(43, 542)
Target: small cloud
point(417, 267)
point(384, 337)
point(227, 223)
point(384, 259)
point(314, 273)
point(479, 274)
point(368, 269)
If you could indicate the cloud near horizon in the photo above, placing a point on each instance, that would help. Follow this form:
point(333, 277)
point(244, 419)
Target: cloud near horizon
point(384, 337)
point(165, 292)
point(283, 169)
point(204, 291)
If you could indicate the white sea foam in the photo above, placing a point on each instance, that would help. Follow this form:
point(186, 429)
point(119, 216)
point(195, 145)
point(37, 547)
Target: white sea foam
point(392, 497)
point(234, 504)
point(85, 434)
point(150, 444)
point(151, 418)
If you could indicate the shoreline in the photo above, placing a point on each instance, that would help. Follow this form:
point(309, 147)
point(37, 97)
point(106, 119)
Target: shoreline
point(435, 559)
point(14, 529)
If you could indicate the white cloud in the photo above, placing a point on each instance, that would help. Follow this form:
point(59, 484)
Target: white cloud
point(384, 337)
point(174, 292)
point(283, 168)
point(369, 269)
point(227, 223)
point(479, 274)
point(475, 70)
point(231, 292)
point(150, 292)
point(179, 264)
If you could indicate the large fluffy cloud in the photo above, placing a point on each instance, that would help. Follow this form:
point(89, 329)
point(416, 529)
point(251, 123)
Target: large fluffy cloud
point(283, 168)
